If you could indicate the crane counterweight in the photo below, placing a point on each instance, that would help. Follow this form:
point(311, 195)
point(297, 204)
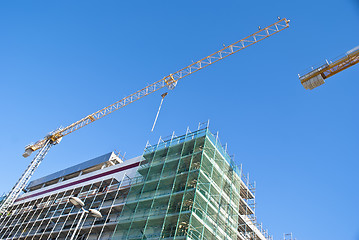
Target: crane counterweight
point(27, 152)
point(317, 75)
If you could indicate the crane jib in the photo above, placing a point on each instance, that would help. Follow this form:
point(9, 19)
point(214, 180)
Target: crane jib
point(169, 81)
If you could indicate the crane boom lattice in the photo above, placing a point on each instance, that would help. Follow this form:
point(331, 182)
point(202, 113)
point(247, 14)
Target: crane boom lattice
point(25, 177)
point(169, 81)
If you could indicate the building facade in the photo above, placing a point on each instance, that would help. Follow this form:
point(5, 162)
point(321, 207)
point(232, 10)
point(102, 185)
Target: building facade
point(187, 187)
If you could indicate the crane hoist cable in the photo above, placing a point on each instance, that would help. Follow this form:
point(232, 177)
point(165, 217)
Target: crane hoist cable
point(159, 109)
point(169, 81)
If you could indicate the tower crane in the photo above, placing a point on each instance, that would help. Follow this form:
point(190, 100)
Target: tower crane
point(170, 81)
point(317, 75)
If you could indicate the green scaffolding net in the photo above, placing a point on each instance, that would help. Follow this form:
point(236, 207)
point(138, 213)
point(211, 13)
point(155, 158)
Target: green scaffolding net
point(187, 188)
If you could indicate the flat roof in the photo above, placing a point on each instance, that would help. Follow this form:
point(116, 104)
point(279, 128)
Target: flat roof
point(79, 167)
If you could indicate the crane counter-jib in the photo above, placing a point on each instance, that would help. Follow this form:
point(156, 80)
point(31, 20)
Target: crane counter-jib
point(317, 75)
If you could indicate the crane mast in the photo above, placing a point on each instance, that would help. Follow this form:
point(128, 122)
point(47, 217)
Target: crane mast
point(25, 177)
point(169, 81)
point(317, 75)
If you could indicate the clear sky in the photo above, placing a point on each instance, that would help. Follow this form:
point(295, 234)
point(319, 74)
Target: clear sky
point(62, 60)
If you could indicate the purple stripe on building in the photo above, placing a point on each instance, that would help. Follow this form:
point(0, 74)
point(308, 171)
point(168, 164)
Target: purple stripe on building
point(82, 180)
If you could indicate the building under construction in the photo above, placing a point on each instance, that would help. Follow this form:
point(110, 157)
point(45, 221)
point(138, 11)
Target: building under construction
point(185, 187)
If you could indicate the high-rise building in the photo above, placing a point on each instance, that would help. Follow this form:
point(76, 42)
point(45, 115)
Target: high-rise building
point(186, 187)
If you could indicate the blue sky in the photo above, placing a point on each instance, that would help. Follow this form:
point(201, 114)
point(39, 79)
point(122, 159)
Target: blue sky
point(62, 60)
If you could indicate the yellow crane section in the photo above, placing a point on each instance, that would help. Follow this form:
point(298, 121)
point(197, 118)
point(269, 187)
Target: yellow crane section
point(317, 75)
point(169, 81)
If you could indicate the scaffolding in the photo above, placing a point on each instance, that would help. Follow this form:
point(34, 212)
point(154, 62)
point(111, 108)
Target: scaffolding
point(185, 187)
point(189, 187)
point(288, 236)
point(54, 217)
